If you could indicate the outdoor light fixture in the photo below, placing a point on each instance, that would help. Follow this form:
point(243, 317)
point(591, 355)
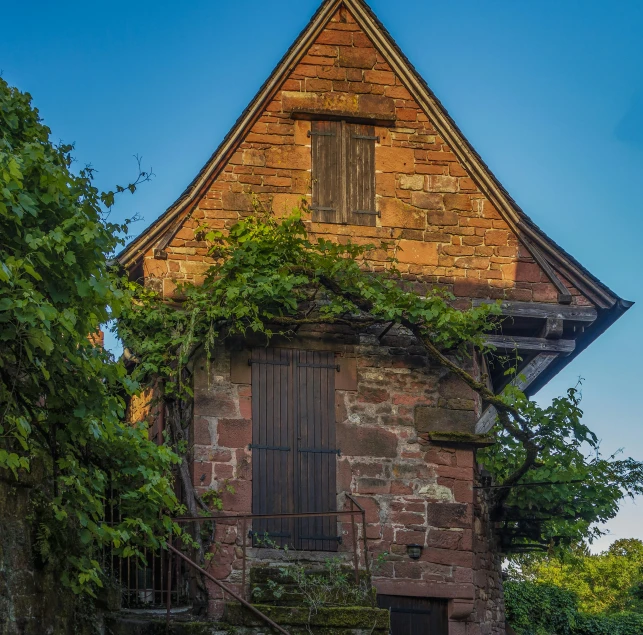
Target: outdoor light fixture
point(485, 479)
point(414, 551)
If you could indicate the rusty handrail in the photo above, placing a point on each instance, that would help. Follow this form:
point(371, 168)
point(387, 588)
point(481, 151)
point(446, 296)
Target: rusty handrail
point(246, 517)
point(190, 519)
point(363, 512)
point(228, 590)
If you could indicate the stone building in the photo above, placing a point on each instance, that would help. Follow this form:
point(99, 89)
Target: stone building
point(345, 122)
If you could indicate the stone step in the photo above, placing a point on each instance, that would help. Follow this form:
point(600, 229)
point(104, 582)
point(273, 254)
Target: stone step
point(126, 624)
point(300, 621)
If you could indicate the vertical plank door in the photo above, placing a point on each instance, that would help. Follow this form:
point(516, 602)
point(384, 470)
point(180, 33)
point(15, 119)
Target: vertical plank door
point(294, 455)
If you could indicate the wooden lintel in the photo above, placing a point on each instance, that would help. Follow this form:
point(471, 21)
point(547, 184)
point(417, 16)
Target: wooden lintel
point(545, 310)
point(511, 342)
point(553, 329)
point(524, 379)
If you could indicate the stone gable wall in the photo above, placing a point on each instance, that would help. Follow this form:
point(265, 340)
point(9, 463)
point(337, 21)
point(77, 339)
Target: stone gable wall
point(443, 228)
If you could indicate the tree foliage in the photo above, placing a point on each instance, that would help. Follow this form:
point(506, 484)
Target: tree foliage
point(61, 397)
point(534, 608)
point(607, 582)
point(269, 278)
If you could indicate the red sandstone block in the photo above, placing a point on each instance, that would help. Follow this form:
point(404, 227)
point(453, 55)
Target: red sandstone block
point(408, 570)
point(380, 77)
point(389, 159)
point(444, 539)
point(455, 169)
point(335, 37)
point(448, 557)
point(409, 537)
point(442, 156)
point(465, 458)
point(202, 474)
point(373, 486)
point(234, 433)
point(417, 253)
point(440, 456)
point(241, 499)
point(245, 407)
point(468, 185)
point(223, 471)
point(397, 92)
point(323, 50)
point(220, 456)
point(357, 57)
point(407, 518)
point(400, 488)
point(373, 532)
point(332, 73)
point(457, 202)
point(544, 293)
point(361, 40)
point(215, 403)
point(344, 476)
point(527, 272)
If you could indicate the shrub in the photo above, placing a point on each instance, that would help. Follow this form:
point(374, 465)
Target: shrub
point(545, 609)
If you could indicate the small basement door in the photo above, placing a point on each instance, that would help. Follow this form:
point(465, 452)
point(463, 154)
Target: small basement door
point(415, 616)
point(294, 454)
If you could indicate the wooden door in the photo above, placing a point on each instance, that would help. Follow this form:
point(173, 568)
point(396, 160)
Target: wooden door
point(293, 447)
point(416, 616)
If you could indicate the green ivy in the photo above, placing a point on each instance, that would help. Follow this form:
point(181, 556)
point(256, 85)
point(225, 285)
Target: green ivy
point(269, 278)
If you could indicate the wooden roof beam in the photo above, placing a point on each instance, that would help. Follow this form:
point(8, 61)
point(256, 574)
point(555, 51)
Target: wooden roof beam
point(542, 310)
point(539, 344)
point(522, 381)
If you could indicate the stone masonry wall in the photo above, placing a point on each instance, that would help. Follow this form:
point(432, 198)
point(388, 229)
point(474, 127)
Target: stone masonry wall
point(444, 229)
point(414, 492)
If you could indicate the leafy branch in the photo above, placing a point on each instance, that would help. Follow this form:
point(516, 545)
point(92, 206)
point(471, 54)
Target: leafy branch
point(268, 278)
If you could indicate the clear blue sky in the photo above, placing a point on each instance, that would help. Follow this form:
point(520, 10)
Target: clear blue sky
point(550, 93)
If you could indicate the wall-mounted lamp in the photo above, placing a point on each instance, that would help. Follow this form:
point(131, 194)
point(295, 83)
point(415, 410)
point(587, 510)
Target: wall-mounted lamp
point(485, 479)
point(414, 551)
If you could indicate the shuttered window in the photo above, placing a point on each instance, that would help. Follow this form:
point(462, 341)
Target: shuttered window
point(294, 456)
point(343, 173)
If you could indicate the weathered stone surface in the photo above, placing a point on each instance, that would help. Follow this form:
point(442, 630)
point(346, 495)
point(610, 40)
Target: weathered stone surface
point(236, 201)
point(430, 419)
point(375, 107)
point(448, 515)
point(368, 441)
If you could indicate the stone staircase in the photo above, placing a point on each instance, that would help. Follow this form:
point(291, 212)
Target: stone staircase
point(275, 595)
point(282, 600)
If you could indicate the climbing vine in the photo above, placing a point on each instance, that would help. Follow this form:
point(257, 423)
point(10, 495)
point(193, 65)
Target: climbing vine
point(269, 277)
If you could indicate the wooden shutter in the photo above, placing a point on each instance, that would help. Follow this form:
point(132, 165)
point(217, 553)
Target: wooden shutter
point(316, 459)
point(294, 457)
point(272, 444)
point(326, 142)
point(360, 174)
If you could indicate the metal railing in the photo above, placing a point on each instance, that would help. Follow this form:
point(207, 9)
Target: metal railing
point(356, 510)
point(165, 582)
